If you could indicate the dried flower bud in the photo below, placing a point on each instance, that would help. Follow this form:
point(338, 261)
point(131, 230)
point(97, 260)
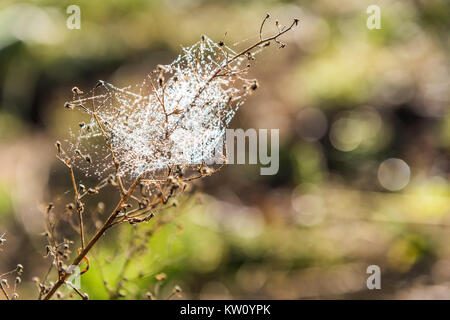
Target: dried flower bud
point(92, 191)
point(161, 276)
point(5, 283)
point(149, 295)
point(68, 105)
point(76, 90)
point(254, 85)
point(177, 289)
point(58, 147)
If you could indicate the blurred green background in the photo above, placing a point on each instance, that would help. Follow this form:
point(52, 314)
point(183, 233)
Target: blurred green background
point(346, 100)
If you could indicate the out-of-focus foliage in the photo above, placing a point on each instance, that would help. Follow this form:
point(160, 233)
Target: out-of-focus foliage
point(346, 100)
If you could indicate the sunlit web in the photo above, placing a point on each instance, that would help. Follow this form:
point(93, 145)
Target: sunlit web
point(176, 116)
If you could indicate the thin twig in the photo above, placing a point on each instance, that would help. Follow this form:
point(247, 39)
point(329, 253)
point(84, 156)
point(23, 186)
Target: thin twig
point(81, 294)
point(96, 237)
point(262, 25)
point(4, 291)
point(78, 206)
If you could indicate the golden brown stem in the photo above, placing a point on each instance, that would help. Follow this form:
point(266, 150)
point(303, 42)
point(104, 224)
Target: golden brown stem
point(95, 238)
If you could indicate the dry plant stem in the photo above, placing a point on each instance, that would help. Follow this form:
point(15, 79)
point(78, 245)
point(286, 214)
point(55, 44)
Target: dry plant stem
point(165, 191)
point(95, 238)
point(77, 204)
point(84, 297)
point(4, 291)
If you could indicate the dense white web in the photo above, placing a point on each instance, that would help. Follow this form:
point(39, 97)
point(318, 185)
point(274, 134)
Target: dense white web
point(176, 116)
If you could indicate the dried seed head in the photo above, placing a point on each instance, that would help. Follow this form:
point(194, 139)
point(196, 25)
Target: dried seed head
point(161, 276)
point(92, 191)
point(177, 289)
point(58, 146)
point(49, 207)
point(112, 180)
point(76, 90)
point(254, 85)
point(68, 105)
point(149, 295)
point(48, 250)
point(161, 80)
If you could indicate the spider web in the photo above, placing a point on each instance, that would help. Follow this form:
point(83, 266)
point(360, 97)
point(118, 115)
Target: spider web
point(176, 116)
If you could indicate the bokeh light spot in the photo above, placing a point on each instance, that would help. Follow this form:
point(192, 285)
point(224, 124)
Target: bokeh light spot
point(394, 174)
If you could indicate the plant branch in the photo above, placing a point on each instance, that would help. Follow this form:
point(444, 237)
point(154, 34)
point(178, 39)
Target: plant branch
point(4, 291)
point(96, 237)
point(227, 62)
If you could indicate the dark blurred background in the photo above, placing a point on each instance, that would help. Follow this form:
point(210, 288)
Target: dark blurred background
point(364, 123)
